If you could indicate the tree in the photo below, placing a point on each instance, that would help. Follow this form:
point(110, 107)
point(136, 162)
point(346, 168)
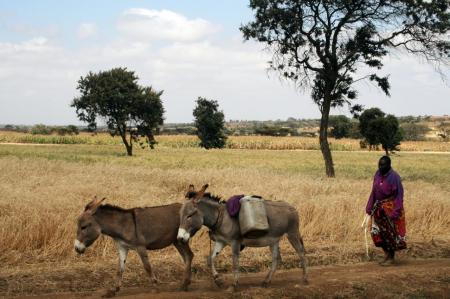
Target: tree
point(390, 133)
point(210, 124)
point(341, 126)
point(320, 44)
point(377, 128)
point(128, 109)
point(366, 117)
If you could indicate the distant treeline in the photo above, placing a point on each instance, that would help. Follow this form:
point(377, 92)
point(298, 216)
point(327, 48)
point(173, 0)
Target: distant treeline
point(414, 128)
point(41, 129)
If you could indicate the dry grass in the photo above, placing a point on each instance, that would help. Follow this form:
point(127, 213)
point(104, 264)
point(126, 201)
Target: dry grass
point(44, 188)
point(233, 142)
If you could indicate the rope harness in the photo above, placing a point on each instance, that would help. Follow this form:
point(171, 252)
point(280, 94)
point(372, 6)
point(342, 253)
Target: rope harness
point(215, 226)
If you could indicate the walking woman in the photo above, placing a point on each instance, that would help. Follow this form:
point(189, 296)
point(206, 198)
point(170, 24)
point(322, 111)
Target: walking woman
point(385, 205)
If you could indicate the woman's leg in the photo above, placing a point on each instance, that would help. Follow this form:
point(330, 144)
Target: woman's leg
point(386, 255)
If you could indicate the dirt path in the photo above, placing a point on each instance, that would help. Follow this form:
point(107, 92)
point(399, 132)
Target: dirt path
point(408, 279)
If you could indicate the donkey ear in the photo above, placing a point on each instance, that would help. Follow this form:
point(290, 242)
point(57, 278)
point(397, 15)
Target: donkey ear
point(96, 205)
point(200, 193)
point(205, 186)
point(91, 204)
point(190, 193)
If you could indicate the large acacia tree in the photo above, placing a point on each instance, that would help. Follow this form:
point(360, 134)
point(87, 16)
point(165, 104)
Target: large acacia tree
point(128, 109)
point(320, 44)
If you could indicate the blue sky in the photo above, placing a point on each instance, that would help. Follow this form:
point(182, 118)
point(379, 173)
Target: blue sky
point(186, 48)
point(67, 15)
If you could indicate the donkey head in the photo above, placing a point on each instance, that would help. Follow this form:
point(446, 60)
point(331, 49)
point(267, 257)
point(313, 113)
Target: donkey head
point(88, 228)
point(191, 218)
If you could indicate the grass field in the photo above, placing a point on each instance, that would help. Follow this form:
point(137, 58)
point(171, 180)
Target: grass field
point(43, 188)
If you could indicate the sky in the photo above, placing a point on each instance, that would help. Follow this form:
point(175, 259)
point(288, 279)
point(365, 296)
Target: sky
point(187, 48)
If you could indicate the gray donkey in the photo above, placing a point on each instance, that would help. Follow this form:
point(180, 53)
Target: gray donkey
point(203, 209)
point(139, 229)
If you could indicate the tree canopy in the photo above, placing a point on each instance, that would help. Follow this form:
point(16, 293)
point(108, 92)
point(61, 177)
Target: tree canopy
point(378, 128)
point(321, 44)
point(341, 126)
point(128, 109)
point(210, 124)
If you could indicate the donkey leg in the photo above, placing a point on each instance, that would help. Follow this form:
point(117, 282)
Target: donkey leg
point(236, 249)
point(187, 255)
point(296, 241)
point(142, 251)
point(280, 260)
point(218, 246)
point(123, 253)
point(275, 248)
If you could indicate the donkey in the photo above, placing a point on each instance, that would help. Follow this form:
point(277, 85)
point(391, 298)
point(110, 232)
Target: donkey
point(203, 209)
point(139, 229)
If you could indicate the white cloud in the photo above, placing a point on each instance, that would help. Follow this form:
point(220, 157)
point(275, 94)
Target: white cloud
point(39, 76)
point(37, 44)
point(150, 25)
point(86, 30)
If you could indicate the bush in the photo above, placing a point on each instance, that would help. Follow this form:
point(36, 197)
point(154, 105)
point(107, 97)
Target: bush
point(275, 131)
point(73, 130)
point(41, 129)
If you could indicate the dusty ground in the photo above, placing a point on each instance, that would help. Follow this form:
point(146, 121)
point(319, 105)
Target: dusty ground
point(409, 279)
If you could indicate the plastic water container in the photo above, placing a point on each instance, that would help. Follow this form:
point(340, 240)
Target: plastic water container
point(253, 217)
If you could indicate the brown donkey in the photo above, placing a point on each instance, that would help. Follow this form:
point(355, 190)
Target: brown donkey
point(203, 209)
point(139, 229)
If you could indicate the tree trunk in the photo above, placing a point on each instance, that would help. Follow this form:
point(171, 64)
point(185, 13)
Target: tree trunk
point(323, 138)
point(151, 140)
point(128, 146)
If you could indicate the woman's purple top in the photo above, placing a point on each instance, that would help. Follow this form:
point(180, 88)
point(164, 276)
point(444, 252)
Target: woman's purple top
point(388, 186)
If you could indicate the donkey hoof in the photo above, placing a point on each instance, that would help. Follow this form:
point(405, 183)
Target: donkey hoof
point(183, 288)
point(305, 281)
point(232, 289)
point(109, 294)
point(218, 281)
point(265, 284)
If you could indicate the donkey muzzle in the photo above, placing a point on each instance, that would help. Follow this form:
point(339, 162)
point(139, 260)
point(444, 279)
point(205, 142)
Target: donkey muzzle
point(79, 247)
point(183, 235)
